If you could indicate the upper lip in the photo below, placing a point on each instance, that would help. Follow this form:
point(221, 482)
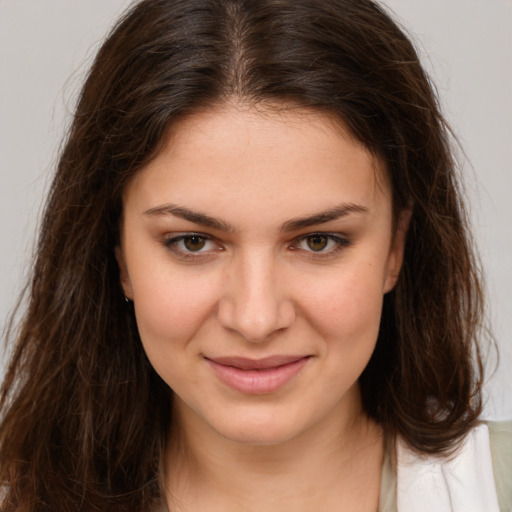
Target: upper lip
point(244, 363)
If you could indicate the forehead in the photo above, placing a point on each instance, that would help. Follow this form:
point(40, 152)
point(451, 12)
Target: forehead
point(265, 157)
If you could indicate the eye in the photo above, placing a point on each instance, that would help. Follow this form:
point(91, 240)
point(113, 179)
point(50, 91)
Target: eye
point(191, 244)
point(321, 243)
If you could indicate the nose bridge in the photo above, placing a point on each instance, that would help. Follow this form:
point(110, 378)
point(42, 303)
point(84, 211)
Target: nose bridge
point(254, 302)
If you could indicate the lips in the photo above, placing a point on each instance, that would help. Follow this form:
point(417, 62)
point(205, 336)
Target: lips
point(257, 376)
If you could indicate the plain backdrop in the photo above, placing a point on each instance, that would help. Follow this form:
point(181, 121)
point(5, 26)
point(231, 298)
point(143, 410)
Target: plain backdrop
point(466, 45)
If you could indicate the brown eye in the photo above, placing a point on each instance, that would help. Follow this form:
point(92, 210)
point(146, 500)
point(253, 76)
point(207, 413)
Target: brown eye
point(194, 243)
point(321, 244)
point(192, 246)
point(317, 242)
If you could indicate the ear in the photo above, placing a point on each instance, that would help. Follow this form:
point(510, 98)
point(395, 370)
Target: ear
point(126, 284)
point(396, 253)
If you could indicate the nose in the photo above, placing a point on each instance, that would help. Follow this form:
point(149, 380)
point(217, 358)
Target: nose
point(254, 301)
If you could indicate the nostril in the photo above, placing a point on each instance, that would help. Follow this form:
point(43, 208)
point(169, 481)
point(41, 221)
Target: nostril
point(256, 324)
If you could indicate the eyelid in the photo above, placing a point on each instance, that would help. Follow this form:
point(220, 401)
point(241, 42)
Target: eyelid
point(341, 241)
point(171, 242)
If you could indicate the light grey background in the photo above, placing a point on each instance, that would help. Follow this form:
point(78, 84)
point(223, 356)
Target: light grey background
point(46, 46)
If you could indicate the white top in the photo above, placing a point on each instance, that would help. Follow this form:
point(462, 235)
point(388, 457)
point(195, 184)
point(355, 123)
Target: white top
point(462, 483)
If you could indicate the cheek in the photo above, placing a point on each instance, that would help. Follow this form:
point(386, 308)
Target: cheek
point(347, 308)
point(169, 312)
point(170, 308)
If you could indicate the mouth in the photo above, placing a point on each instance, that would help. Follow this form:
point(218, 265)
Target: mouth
point(257, 376)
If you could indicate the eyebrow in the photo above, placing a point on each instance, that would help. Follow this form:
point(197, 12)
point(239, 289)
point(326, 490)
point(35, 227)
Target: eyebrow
point(195, 217)
point(326, 216)
point(292, 225)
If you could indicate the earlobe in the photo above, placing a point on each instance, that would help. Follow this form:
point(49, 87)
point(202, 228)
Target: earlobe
point(396, 254)
point(124, 278)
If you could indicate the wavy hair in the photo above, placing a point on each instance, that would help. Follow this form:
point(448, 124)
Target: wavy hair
point(83, 414)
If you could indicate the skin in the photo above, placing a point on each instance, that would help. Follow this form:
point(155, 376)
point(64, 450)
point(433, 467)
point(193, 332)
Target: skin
point(258, 283)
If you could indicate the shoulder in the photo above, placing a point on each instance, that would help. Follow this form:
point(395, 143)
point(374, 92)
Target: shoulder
point(500, 435)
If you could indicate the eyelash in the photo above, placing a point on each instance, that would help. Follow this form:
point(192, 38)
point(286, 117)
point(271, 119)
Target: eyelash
point(172, 245)
point(339, 241)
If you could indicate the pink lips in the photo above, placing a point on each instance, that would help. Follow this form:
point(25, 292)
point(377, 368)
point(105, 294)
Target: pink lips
point(257, 376)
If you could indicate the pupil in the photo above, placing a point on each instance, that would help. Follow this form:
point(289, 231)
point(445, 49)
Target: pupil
point(194, 243)
point(317, 243)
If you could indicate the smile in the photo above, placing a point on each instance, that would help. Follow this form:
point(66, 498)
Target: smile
point(257, 376)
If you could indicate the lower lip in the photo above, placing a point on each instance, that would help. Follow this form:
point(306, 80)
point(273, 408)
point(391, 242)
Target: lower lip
point(257, 382)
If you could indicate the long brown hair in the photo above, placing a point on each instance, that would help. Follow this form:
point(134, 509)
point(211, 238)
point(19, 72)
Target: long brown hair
point(84, 415)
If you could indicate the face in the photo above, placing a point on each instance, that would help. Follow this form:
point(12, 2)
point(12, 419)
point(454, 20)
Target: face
point(257, 247)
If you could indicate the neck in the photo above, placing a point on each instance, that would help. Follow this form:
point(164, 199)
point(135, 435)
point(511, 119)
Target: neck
point(334, 463)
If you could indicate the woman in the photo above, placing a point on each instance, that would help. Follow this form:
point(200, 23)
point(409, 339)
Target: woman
point(254, 288)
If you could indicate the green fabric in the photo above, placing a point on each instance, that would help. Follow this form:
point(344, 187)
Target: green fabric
point(500, 433)
point(501, 451)
point(387, 497)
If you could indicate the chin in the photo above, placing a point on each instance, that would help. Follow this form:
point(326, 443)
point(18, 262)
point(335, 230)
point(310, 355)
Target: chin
point(260, 430)
point(262, 438)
